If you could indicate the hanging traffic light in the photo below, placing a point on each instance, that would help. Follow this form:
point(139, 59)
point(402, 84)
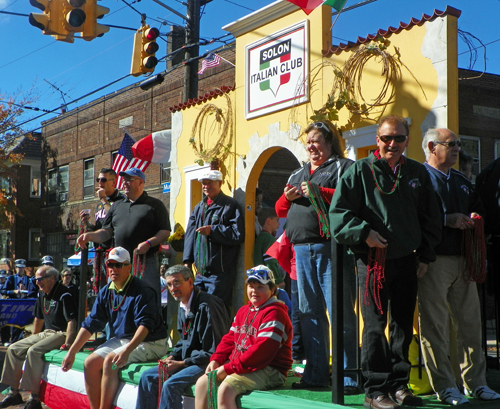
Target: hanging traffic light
point(74, 14)
point(52, 21)
point(143, 54)
point(91, 28)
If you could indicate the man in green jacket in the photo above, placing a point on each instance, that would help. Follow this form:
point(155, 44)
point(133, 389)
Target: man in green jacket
point(385, 210)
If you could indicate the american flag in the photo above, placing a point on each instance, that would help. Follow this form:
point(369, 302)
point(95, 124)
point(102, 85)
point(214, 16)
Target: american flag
point(125, 159)
point(211, 60)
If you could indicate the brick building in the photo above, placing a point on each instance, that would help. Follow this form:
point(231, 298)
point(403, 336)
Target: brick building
point(23, 238)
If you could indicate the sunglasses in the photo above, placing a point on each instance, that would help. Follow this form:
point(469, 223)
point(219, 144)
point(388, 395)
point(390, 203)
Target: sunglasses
point(116, 265)
point(67, 275)
point(103, 180)
point(450, 144)
point(39, 279)
point(321, 125)
point(396, 138)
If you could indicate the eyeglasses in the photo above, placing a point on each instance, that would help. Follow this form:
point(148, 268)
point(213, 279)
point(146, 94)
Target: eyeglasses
point(175, 284)
point(39, 279)
point(103, 180)
point(117, 265)
point(262, 274)
point(128, 180)
point(396, 138)
point(67, 275)
point(450, 144)
point(321, 125)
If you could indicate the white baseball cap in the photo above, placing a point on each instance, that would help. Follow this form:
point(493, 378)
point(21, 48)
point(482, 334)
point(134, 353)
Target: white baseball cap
point(211, 175)
point(47, 260)
point(119, 254)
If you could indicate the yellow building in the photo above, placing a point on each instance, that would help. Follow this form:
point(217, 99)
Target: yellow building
point(286, 72)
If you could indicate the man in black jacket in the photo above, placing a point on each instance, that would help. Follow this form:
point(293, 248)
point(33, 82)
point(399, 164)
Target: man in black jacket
point(202, 321)
point(215, 230)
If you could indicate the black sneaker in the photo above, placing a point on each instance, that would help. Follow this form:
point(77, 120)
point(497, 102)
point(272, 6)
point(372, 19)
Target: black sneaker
point(11, 400)
point(33, 404)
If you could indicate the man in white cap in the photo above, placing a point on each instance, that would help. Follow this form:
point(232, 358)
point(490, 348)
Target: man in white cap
point(54, 309)
point(215, 230)
point(139, 222)
point(129, 306)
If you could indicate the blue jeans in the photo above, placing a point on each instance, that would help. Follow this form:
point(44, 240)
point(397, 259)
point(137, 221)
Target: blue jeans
point(314, 275)
point(172, 391)
point(297, 344)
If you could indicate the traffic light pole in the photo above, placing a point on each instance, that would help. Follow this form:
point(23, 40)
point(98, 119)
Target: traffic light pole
point(192, 37)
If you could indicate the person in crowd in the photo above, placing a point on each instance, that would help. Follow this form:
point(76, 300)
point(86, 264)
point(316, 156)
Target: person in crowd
point(5, 330)
point(54, 310)
point(385, 209)
point(19, 285)
point(47, 261)
point(444, 291)
point(130, 307)
point(107, 193)
point(465, 164)
point(304, 203)
point(202, 321)
point(256, 352)
point(214, 232)
point(139, 222)
point(259, 197)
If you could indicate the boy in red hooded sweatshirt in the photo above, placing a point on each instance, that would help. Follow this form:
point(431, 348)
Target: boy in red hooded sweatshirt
point(256, 353)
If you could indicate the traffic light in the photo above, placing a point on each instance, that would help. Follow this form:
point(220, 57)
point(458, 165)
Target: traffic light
point(145, 47)
point(52, 21)
point(92, 29)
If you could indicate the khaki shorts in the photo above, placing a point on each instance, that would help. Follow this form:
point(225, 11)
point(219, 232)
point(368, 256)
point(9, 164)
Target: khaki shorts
point(144, 352)
point(267, 378)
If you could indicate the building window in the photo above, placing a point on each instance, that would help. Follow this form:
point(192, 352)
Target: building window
point(165, 172)
point(57, 186)
point(60, 246)
point(5, 186)
point(4, 243)
point(34, 247)
point(497, 149)
point(472, 146)
point(36, 183)
point(88, 178)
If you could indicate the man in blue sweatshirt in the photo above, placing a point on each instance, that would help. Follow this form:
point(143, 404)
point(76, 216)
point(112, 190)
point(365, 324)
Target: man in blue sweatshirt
point(130, 307)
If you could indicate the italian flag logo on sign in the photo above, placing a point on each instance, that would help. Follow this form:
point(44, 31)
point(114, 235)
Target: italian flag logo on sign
point(283, 78)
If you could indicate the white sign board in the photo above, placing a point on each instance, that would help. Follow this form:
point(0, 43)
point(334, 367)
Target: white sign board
point(276, 71)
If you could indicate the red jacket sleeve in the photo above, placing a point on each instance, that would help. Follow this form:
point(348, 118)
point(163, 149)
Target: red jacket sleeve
point(282, 205)
point(326, 194)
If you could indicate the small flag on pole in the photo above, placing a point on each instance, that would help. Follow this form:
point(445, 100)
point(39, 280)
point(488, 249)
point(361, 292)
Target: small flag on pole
point(125, 160)
point(211, 60)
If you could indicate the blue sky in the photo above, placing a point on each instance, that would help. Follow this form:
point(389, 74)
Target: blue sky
point(29, 58)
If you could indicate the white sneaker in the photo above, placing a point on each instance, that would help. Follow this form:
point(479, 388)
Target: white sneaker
point(452, 396)
point(483, 393)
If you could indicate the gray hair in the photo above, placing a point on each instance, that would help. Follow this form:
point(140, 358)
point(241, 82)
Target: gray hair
point(49, 271)
point(432, 135)
point(180, 269)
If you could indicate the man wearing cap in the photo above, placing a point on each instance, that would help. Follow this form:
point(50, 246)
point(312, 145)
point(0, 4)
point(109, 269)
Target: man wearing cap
point(202, 322)
point(214, 232)
point(139, 222)
point(107, 194)
point(19, 286)
point(54, 309)
point(130, 307)
point(5, 330)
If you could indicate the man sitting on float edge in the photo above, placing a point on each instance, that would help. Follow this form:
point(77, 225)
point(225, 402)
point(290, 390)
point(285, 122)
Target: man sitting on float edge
point(55, 308)
point(130, 307)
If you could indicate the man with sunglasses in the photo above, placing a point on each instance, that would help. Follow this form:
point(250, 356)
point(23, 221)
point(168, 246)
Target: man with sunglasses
point(130, 308)
point(202, 321)
point(386, 203)
point(55, 309)
point(139, 222)
point(107, 194)
point(444, 291)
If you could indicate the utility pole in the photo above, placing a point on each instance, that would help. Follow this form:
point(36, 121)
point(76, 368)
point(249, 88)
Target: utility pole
point(192, 37)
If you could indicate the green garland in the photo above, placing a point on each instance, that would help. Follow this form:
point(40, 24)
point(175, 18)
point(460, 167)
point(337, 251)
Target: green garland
point(212, 390)
point(319, 205)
